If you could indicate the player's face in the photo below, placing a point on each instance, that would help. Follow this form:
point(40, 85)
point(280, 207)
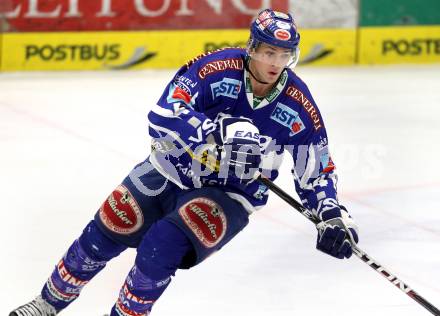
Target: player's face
point(269, 61)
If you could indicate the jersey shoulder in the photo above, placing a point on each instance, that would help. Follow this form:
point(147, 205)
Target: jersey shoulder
point(196, 75)
point(294, 80)
point(217, 62)
point(298, 95)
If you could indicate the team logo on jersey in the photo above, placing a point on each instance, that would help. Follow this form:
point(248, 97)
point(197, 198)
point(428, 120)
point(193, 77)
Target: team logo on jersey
point(120, 212)
point(327, 162)
point(206, 220)
point(227, 87)
point(287, 117)
point(177, 94)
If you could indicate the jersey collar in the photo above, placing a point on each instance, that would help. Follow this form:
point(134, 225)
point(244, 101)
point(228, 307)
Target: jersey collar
point(259, 102)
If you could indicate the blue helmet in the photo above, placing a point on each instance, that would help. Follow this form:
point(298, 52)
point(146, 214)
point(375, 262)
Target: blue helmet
point(274, 28)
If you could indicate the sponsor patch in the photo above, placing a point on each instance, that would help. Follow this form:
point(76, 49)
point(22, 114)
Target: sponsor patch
point(227, 87)
point(299, 97)
point(220, 65)
point(206, 220)
point(287, 117)
point(120, 212)
point(282, 35)
point(185, 83)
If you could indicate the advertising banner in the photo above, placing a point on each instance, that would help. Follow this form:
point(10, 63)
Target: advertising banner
point(108, 50)
point(156, 49)
point(100, 15)
point(328, 47)
point(393, 45)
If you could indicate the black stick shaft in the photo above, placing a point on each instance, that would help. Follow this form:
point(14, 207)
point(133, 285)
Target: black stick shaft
point(358, 252)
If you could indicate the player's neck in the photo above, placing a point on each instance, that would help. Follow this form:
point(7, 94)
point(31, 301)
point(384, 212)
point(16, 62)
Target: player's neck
point(259, 88)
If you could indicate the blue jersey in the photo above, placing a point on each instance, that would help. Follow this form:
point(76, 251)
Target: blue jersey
point(288, 119)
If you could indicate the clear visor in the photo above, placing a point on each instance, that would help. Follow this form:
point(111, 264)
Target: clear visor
point(279, 59)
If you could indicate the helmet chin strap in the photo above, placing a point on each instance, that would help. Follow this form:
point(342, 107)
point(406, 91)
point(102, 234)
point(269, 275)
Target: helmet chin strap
point(246, 66)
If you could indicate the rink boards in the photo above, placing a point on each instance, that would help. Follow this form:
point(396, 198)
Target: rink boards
point(171, 49)
point(150, 49)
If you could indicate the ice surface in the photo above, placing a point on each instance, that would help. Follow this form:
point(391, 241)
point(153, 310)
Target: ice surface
point(67, 139)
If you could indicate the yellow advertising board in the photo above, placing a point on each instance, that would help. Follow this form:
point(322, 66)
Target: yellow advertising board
point(152, 49)
point(328, 46)
point(1, 50)
point(171, 49)
point(394, 45)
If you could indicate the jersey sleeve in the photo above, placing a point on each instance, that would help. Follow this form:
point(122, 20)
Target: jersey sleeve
point(313, 168)
point(178, 112)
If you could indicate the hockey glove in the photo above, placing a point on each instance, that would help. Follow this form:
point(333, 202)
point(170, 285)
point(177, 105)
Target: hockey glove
point(239, 146)
point(337, 231)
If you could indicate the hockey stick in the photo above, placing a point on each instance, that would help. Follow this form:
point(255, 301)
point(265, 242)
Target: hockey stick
point(357, 251)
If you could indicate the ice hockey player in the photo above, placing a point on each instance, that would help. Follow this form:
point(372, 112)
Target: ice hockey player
point(225, 118)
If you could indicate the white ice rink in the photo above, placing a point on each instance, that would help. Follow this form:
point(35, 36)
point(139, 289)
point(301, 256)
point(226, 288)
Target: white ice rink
point(67, 139)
